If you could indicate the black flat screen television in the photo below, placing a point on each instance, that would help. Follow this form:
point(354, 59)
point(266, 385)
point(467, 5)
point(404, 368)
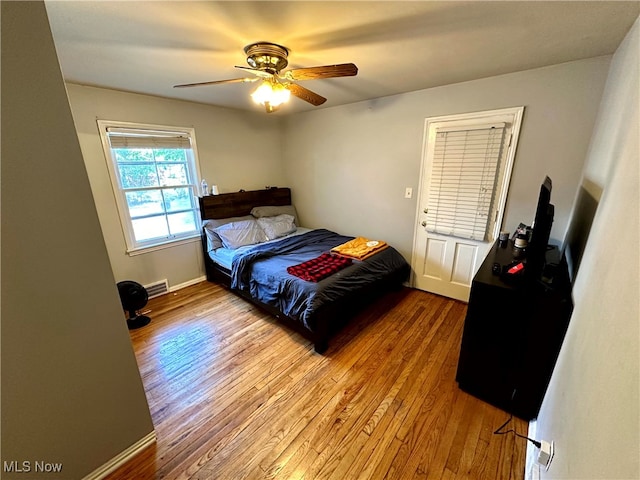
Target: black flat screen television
point(540, 232)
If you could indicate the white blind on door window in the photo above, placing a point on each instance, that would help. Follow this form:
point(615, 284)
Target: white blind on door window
point(463, 179)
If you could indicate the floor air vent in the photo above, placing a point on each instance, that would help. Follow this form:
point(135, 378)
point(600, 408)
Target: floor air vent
point(158, 288)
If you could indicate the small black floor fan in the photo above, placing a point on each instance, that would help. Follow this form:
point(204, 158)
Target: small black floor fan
point(133, 297)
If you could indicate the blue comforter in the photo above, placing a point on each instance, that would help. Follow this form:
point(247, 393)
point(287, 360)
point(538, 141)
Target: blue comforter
point(262, 271)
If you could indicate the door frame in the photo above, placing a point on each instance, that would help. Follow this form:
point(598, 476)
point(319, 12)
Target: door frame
point(463, 119)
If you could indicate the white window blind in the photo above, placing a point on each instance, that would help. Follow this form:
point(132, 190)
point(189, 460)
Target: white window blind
point(130, 138)
point(463, 179)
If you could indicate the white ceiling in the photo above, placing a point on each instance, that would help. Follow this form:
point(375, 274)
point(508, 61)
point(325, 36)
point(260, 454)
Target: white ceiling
point(147, 47)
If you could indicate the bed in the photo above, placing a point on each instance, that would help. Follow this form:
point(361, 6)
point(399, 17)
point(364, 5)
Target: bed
point(270, 265)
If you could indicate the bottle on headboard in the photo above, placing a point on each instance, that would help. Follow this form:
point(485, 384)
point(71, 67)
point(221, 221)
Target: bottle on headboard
point(204, 188)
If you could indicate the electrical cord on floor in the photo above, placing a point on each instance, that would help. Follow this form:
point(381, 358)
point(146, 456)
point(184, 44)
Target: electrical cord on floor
point(511, 430)
point(499, 429)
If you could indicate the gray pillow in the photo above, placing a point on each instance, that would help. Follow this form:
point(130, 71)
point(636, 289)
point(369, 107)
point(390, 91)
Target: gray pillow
point(213, 239)
point(276, 227)
point(241, 233)
point(274, 211)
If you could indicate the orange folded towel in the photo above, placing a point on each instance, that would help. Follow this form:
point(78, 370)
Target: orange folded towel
point(360, 248)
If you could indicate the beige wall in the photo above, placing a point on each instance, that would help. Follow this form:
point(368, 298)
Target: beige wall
point(71, 390)
point(236, 150)
point(591, 409)
point(349, 165)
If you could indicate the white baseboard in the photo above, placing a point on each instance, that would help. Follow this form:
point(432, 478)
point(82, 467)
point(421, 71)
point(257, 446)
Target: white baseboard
point(187, 284)
point(101, 472)
point(531, 468)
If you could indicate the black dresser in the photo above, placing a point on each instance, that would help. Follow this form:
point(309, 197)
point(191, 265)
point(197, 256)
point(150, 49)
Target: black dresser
point(513, 331)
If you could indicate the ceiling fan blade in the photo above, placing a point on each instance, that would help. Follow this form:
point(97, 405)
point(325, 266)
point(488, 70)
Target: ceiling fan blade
point(306, 94)
point(232, 80)
point(325, 71)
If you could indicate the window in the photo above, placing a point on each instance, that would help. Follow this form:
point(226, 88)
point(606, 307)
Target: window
point(154, 175)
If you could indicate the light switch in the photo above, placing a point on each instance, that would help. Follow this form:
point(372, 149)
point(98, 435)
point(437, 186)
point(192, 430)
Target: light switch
point(408, 192)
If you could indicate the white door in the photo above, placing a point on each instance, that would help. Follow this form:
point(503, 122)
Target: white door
point(461, 201)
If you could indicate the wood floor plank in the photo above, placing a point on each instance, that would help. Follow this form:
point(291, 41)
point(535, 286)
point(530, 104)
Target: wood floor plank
point(409, 399)
point(235, 395)
point(350, 465)
point(299, 447)
point(354, 415)
point(425, 399)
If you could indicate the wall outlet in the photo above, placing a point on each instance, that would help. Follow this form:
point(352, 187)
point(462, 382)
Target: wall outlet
point(545, 455)
point(408, 192)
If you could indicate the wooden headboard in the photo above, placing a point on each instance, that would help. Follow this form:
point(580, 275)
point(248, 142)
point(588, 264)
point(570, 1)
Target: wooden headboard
point(238, 204)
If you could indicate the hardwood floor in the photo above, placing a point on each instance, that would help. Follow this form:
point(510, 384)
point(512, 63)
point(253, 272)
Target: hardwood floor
point(234, 395)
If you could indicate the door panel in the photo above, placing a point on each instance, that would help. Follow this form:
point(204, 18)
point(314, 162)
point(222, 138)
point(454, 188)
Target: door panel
point(464, 264)
point(435, 264)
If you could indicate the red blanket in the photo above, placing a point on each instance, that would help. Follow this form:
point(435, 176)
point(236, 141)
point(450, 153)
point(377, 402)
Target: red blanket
point(320, 267)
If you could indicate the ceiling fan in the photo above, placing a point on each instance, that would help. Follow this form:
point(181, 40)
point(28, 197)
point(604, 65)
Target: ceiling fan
point(266, 61)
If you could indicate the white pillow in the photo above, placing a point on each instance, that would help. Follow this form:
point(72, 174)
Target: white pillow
point(213, 239)
point(274, 211)
point(279, 226)
point(241, 233)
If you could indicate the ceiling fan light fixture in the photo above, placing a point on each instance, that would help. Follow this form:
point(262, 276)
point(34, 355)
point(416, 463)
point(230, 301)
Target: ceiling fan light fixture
point(280, 94)
point(271, 94)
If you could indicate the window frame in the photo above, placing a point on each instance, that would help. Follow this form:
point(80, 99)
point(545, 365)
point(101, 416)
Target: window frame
point(133, 246)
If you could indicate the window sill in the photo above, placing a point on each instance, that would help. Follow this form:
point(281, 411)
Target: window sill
point(161, 246)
